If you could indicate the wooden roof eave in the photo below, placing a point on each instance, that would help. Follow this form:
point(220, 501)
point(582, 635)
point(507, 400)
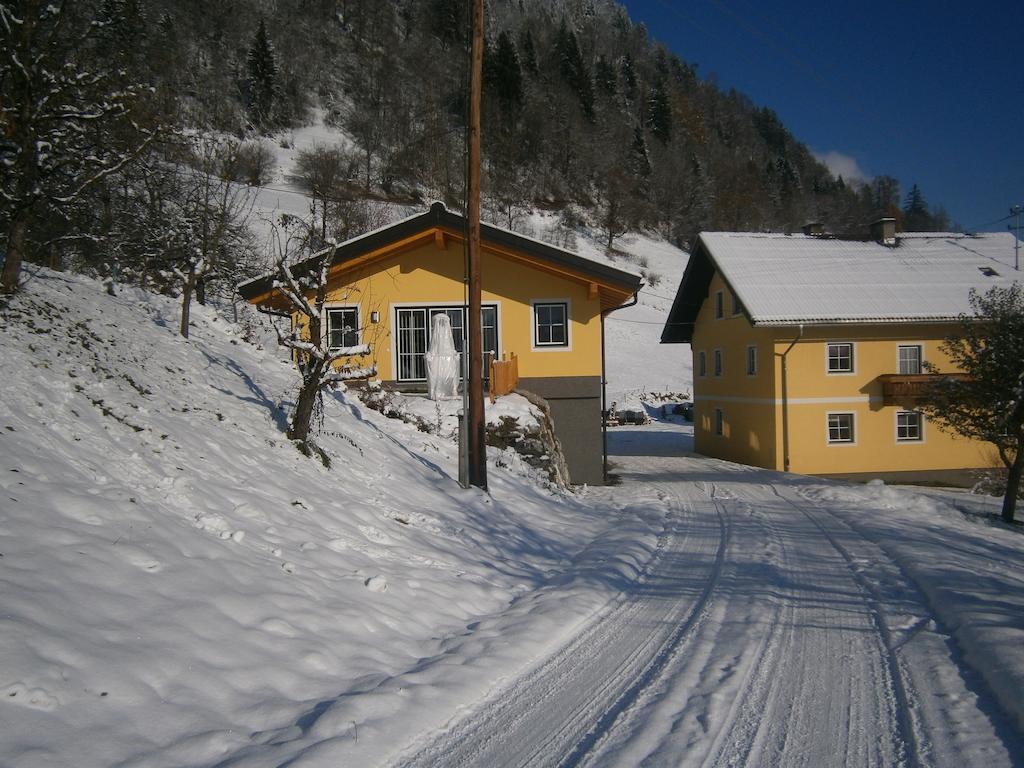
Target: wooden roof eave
point(610, 294)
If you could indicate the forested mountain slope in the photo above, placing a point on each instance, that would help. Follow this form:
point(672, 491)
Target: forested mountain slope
point(584, 114)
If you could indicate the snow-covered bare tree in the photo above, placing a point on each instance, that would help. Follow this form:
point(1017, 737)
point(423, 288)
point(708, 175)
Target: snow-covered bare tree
point(988, 403)
point(66, 116)
point(214, 215)
point(323, 358)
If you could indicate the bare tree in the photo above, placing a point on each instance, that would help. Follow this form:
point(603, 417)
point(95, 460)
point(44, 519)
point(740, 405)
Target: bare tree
point(322, 170)
point(303, 284)
point(215, 214)
point(65, 122)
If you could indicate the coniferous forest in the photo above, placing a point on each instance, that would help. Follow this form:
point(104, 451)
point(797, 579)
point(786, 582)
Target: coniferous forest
point(127, 125)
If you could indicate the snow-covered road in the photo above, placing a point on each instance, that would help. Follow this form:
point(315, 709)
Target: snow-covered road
point(767, 630)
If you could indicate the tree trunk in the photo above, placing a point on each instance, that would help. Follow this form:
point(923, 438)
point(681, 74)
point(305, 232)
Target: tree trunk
point(1013, 477)
point(186, 306)
point(15, 252)
point(298, 428)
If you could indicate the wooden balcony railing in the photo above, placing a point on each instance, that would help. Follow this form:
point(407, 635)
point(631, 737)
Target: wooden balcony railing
point(504, 376)
point(910, 387)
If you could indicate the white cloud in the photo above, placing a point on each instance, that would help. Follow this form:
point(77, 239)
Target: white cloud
point(842, 165)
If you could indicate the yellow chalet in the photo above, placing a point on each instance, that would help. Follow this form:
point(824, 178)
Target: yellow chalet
point(808, 348)
point(544, 304)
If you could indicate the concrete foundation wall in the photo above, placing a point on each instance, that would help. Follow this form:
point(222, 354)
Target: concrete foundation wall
point(575, 403)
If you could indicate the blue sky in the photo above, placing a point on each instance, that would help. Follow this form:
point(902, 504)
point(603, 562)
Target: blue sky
point(931, 93)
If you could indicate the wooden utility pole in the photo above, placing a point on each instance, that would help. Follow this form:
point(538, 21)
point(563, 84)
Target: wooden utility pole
point(477, 444)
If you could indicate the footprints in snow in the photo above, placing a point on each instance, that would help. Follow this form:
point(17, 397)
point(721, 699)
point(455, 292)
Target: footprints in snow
point(33, 698)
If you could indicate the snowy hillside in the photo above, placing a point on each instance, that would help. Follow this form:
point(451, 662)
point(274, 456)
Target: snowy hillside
point(180, 587)
point(176, 577)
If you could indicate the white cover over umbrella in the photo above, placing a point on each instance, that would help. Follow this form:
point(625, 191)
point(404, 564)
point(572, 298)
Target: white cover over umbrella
point(442, 360)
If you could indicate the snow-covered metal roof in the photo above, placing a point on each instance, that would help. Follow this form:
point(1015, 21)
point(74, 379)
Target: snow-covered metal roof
point(783, 279)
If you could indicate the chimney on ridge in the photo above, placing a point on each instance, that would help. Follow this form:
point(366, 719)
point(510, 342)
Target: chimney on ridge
point(883, 231)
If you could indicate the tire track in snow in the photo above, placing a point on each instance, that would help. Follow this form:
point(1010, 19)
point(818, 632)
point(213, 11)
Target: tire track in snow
point(910, 750)
point(559, 710)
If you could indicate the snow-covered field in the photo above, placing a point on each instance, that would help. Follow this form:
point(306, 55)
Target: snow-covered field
point(179, 586)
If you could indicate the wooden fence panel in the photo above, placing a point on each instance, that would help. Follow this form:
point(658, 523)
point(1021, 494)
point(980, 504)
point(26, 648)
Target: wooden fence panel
point(504, 375)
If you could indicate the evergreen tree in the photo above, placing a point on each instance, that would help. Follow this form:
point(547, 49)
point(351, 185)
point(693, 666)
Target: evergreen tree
point(502, 73)
point(640, 161)
point(605, 75)
point(629, 77)
point(916, 216)
point(573, 69)
point(449, 22)
point(659, 114)
point(262, 80)
point(529, 54)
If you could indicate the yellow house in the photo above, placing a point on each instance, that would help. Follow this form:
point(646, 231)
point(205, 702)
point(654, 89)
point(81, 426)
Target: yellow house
point(808, 349)
point(542, 303)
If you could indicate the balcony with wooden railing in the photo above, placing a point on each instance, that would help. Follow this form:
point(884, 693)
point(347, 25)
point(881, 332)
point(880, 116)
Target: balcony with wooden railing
point(901, 388)
point(504, 375)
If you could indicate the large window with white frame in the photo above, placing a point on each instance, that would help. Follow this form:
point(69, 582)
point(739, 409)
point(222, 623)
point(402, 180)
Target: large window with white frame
point(718, 362)
point(840, 428)
point(839, 357)
point(909, 427)
point(342, 327)
point(414, 325)
point(719, 305)
point(909, 359)
point(752, 360)
point(550, 324)
point(702, 363)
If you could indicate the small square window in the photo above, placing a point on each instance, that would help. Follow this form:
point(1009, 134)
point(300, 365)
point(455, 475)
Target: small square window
point(342, 327)
point(910, 359)
point(551, 328)
point(702, 363)
point(840, 427)
point(840, 358)
point(908, 426)
point(719, 305)
point(718, 362)
point(719, 422)
point(751, 361)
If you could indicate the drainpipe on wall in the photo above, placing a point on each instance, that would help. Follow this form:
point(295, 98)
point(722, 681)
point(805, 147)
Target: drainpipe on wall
point(785, 398)
point(604, 388)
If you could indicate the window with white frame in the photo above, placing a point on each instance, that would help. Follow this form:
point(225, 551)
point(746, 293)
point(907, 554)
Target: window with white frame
point(702, 363)
point(751, 360)
point(551, 324)
point(719, 305)
point(719, 422)
point(909, 359)
point(909, 427)
point(342, 327)
point(840, 427)
point(718, 362)
point(840, 357)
